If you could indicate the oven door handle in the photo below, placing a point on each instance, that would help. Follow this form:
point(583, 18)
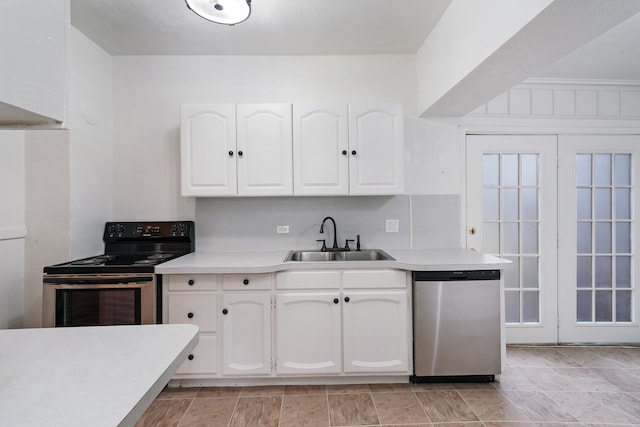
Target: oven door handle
point(97, 281)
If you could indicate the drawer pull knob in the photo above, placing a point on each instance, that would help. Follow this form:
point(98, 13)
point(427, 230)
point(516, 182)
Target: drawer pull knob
point(225, 311)
point(354, 152)
point(245, 281)
point(191, 282)
point(344, 152)
point(231, 153)
point(190, 357)
point(240, 153)
point(336, 300)
point(190, 315)
point(347, 299)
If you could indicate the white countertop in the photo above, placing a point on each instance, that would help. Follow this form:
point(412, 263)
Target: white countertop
point(272, 261)
point(87, 376)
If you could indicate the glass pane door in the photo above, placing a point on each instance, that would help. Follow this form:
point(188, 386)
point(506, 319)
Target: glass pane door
point(511, 208)
point(511, 229)
point(597, 294)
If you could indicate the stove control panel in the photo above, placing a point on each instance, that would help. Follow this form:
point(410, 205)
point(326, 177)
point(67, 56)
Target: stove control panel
point(115, 231)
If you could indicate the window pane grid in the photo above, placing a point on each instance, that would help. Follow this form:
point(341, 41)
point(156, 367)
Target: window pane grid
point(511, 229)
point(604, 238)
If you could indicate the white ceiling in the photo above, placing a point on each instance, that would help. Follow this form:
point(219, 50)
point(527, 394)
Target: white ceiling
point(311, 27)
point(275, 27)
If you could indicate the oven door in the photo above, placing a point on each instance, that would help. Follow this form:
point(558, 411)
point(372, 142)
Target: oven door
point(98, 300)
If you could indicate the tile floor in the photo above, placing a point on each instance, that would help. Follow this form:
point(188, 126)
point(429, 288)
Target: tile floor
point(541, 386)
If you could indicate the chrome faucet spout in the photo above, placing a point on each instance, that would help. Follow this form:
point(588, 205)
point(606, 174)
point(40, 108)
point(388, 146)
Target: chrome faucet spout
point(335, 231)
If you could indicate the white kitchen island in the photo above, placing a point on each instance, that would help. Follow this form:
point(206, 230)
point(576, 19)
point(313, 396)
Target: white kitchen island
point(87, 376)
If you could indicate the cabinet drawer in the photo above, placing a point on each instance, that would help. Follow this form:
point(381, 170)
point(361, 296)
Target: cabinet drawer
point(203, 359)
point(234, 282)
point(316, 279)
point(199, 309)
point(193, 282)
point(357, 279)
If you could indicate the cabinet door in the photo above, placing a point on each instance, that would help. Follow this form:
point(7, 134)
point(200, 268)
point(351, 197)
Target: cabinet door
point(375, 327)
point(208, 150)
point(246, 334)
point(200, 309)
point(203, 359)
point(320, 149)
point(376, 149)
point(265, 166)
point(308, 333)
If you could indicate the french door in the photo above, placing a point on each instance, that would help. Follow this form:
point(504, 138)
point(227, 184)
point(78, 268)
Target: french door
point(511, 213)
point(598, 252)
point(561, 208)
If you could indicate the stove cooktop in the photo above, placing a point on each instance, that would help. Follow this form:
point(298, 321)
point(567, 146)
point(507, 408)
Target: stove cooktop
point(113, 263)
point(134, 247)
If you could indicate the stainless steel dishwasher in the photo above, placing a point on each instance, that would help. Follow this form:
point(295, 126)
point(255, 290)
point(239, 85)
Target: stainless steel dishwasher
point(456, 325)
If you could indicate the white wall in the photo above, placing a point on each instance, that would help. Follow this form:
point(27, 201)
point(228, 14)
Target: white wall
point(12, 228)
point(91, 144)
point(33, 48)
point(148, 92)
point(47, 213)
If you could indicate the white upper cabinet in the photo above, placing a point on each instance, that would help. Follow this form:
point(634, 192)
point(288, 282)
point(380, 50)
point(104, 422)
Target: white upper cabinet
point(208, 150)
point(229, 150)
point(277, 150)
point(321, 149)
point(376, 149)
point(264, 150)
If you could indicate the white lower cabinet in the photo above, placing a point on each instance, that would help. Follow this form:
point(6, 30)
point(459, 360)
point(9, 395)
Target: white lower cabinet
point(323, 323)
point(200, 309)
point(246, 334)
point(203, 360)
point(375, 331)
point(308, 333)
point(342, 331)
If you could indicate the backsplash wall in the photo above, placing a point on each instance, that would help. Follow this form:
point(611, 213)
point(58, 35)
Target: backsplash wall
point(426, 222)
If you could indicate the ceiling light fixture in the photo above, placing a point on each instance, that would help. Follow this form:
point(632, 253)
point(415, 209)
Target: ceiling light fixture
point(228, 12)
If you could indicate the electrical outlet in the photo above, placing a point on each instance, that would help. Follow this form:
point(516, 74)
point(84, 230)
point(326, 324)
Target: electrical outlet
point(392, 226)
point(282, 229)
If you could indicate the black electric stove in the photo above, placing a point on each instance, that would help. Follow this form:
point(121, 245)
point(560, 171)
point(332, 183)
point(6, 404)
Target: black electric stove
point(134, 247)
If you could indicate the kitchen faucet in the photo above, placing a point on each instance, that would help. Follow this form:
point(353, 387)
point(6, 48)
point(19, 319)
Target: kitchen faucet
point(335, 233)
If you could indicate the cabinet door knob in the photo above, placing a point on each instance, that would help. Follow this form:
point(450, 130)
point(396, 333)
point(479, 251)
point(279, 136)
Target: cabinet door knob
point(336, 300)
point(354, 152)
point(240, 153)
point(344, 152)
point(190, 357)
point(225, 311)
point(245, 281)
point(190, 315)
point(347, 299)
point(191, 282)
point(230, 153)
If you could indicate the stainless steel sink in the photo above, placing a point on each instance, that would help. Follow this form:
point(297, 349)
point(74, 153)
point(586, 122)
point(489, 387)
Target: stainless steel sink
point(319, 256)
point(310, 256)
